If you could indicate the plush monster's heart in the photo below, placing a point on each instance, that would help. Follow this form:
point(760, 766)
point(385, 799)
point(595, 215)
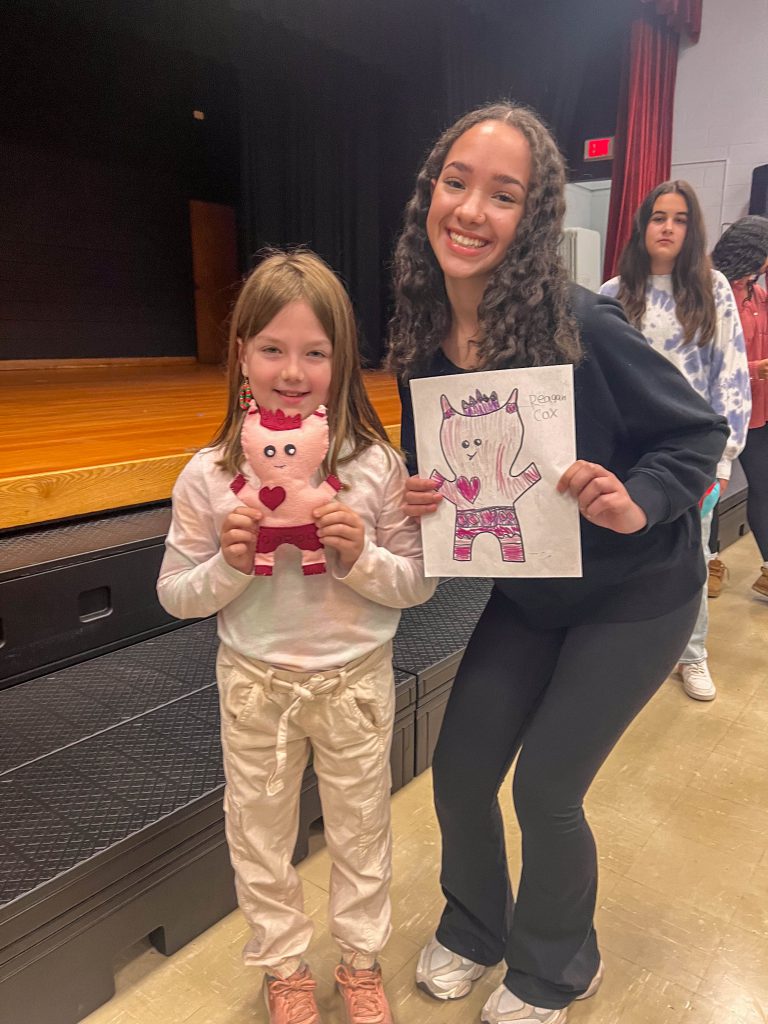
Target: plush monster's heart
point(272, 497)
point(469, 488)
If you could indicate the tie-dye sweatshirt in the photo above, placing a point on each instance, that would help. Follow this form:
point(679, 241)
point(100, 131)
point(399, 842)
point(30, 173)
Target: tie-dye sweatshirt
point(717, 370)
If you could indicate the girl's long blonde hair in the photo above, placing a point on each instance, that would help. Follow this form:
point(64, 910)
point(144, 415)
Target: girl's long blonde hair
point(281, 278)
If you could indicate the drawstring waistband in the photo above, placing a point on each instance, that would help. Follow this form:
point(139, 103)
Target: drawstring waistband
point(303, 688)
point(318, 685)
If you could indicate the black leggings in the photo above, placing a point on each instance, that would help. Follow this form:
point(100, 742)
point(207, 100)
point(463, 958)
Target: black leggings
point(754, 462)
point(562, 697)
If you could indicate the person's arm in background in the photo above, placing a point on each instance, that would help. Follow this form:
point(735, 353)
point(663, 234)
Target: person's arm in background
point(729, 391)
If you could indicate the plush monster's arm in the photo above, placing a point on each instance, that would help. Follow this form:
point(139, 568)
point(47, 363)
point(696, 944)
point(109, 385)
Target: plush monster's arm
point(246, 492)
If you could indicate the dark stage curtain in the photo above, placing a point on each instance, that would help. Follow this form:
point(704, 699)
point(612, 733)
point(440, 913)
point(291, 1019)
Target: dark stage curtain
point(643, 154)
point(311, 166)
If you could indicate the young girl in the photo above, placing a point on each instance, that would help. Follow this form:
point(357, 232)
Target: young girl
point(557, 668)
point(303, 658)
point(742, 255)
point(687, 312)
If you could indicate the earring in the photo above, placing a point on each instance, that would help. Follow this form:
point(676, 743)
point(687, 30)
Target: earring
point(245, 397)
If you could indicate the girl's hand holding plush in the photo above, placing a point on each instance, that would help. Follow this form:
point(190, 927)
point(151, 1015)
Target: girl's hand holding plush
point(603, 499)
point(238, 538)
point(341, 529)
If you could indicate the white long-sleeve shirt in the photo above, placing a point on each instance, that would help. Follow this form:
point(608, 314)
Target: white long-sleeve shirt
point(301, 623)
point(717, 370)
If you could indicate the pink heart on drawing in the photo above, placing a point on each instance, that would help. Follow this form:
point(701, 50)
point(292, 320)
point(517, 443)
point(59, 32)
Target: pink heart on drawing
point(272, 497)
point(469, 488)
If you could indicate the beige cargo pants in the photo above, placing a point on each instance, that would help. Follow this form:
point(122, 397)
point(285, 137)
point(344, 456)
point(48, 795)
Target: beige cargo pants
point(269, 717)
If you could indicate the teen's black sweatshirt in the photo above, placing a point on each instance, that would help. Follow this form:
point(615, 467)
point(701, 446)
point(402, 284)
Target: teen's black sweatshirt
point(639, 417)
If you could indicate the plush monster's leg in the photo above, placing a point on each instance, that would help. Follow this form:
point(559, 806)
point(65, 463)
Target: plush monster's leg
point(312, 562)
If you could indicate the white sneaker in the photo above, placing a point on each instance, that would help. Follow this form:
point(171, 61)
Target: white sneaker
point(504, 1007)
point(697, 682)
point(443, 974)
point(595, 984)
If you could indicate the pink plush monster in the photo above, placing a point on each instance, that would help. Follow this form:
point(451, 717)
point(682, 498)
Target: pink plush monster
point(285, 452)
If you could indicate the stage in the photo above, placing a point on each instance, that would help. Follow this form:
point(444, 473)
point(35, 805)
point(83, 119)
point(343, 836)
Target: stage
point(84, 439)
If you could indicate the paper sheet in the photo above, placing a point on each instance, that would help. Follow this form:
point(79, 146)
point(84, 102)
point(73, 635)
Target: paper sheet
point(498, 441)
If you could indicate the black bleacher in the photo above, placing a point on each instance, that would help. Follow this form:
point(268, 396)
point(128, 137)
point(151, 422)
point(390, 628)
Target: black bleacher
point(72, 591)
point(111, 781)
point(733, 508)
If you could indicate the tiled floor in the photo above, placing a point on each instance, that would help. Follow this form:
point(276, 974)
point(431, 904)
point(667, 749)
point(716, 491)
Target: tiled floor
point(680, 812)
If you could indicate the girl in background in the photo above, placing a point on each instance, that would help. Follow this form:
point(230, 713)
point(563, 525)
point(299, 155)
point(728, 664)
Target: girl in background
point(302, 658)
point(742, 256)
point(686, 311)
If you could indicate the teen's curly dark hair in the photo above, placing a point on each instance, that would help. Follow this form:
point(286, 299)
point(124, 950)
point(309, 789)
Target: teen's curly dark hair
point(743, 248)
point(524, 315)
point(692, 284)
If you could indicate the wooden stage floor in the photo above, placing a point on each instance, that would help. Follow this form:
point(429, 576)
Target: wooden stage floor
point(85, 439)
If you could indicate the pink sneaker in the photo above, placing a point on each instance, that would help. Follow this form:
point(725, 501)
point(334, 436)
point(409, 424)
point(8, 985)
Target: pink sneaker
point(363, 994)
point(292, 1000)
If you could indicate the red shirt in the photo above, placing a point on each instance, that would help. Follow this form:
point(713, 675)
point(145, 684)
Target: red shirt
point(754, 321)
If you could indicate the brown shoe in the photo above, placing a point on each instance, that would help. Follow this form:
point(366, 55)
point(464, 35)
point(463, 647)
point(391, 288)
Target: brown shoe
point(717, 572)
point(760, 585)
point(292, 1000)
point(363, 995)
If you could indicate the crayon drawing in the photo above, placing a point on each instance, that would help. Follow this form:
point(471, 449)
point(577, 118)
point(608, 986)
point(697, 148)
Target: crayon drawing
point(497, 442)
point(480, 443)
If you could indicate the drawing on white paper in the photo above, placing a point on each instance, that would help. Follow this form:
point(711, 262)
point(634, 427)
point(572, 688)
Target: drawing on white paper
point(481, 444)
point(497, 442)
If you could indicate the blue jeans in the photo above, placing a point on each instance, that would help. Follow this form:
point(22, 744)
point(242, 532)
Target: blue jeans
point(695, 649)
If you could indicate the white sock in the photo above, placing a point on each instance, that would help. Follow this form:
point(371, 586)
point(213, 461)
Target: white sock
point(359, 961)
point(286, 968)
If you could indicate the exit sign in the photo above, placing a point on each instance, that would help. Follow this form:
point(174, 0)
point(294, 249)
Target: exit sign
point(599, 149)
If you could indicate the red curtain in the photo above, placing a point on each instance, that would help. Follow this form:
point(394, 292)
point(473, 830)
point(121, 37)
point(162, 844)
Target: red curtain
point(643, 150)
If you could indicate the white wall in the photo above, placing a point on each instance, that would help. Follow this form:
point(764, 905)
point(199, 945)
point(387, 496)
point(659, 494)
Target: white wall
point(586, 206)
point(720, 128)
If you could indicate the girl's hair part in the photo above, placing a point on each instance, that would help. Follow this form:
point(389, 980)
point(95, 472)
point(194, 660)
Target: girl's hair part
point(743, 248)
point(692, 284)
point(524, 316)
point(298, 275)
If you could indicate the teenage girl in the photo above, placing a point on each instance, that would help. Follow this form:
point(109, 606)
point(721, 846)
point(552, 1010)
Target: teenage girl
point(742, 255)
point(303, 658)
point(687, 312)
point(556, 668)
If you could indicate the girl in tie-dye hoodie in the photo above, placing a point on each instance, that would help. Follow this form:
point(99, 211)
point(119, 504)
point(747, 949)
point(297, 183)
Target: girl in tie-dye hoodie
point(687, 311)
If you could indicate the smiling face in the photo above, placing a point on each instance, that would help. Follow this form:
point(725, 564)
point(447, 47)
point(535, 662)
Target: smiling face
point(666, 231)
point(478, 201)
point(288, 363)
